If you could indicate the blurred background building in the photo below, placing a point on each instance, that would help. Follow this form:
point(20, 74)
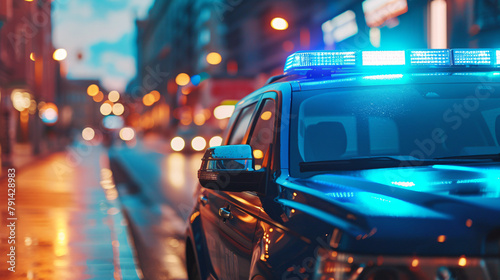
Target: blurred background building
point(37, 104)
point(236, 45)
point(195, 58)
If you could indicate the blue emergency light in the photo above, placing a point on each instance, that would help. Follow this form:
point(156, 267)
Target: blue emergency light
point(336, 60)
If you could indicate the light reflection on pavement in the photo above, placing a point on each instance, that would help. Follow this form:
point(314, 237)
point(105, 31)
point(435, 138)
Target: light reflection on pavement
point(64, 228)
point(157, 192)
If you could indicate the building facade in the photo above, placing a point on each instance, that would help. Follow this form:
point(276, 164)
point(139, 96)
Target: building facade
point(28, 74)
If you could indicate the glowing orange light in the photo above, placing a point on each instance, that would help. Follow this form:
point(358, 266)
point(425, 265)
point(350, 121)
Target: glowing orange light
point(182, 79)
point(98, 97)
point(214, 58)
point(279, 23)
point(441, 238)
point(60, 54)
point(199, 119)
point(266, 115)
point(156, 95)
point(92, 90)
point(148, 99)
point(414, 263)
point(32, 56)
point(258, 154)
point(462, 261)
point(468, 223)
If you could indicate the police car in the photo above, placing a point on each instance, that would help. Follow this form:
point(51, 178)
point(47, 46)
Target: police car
point(357, 165)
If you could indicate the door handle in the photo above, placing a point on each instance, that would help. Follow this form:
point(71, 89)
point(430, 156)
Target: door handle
point(203, 200)
point(225, 213)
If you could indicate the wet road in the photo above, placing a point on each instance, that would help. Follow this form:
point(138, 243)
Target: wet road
point(69, 225)
point(94, 213)
point(157, 193)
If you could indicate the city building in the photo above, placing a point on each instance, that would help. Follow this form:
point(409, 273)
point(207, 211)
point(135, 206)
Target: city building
point(28, 76)
point(254, 38)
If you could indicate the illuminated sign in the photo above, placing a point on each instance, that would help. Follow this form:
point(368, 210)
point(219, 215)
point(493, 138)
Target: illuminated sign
point(339, 28)
point(379, 11)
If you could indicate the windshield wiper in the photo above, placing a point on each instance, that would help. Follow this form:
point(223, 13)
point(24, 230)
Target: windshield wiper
point(376, 162)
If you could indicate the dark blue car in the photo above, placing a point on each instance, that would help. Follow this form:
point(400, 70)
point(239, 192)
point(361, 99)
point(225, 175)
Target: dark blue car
point(360, 165)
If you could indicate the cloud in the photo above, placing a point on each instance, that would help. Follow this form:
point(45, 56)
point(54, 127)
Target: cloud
point(122, 64)
point(102, 30)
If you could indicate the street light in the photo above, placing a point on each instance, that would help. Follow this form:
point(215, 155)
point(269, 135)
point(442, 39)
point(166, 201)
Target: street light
point(60, 54)
point(279, 23)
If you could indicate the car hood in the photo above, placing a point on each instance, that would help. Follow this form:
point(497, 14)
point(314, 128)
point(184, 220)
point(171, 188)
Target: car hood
point(428, 210)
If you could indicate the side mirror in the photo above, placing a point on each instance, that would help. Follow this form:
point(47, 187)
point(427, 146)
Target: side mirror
point(231, 168)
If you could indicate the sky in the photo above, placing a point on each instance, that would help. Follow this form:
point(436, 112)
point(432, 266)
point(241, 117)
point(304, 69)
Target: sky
point(103, 32)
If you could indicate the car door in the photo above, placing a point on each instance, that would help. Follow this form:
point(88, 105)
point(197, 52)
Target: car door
point(237, 232)
point(225, 263)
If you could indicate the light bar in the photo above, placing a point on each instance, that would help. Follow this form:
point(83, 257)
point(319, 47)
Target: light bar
point(430, 58)
point(320, 58)
point(359, 61)
point(472, 57)
point(380, 58)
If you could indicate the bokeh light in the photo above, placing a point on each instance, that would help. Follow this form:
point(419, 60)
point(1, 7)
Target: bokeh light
point(182, 79)
point(223, 111)
point(199, 119)
point(98, 97)
point(118, 109)
point(92, 90)
point(88, 133)
point(214, 58)
point(113, 96)
point(106, 109)
point(177, 144)
point(60, 54)
point(215, 141)
point(156, 95)
point(127, 133)
point(32, 56)
point(148, 99)
point(279, 23)
point(49, 113)
point(198, 143)
point(21, 100)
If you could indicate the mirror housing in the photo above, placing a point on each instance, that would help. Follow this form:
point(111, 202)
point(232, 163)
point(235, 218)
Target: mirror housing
point(231, 168)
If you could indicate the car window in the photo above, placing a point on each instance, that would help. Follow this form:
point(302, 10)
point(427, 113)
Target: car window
point(241, 126)
point(262, 135)
point(417, 121)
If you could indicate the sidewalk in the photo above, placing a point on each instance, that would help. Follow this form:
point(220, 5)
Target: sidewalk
point(69, 223)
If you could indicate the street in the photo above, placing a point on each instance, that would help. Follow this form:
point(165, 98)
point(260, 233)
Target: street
point(157, 192)
point(72, 224)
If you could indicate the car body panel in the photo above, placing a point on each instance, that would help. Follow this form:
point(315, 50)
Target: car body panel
point(281, 234)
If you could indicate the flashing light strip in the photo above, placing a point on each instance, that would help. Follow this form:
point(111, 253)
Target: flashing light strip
point(472, 57)
point(321, 58)
point(381, 58)
point(430, 57)
point(308, 60)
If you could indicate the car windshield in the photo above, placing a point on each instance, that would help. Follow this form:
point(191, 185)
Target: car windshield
point(384, 126)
